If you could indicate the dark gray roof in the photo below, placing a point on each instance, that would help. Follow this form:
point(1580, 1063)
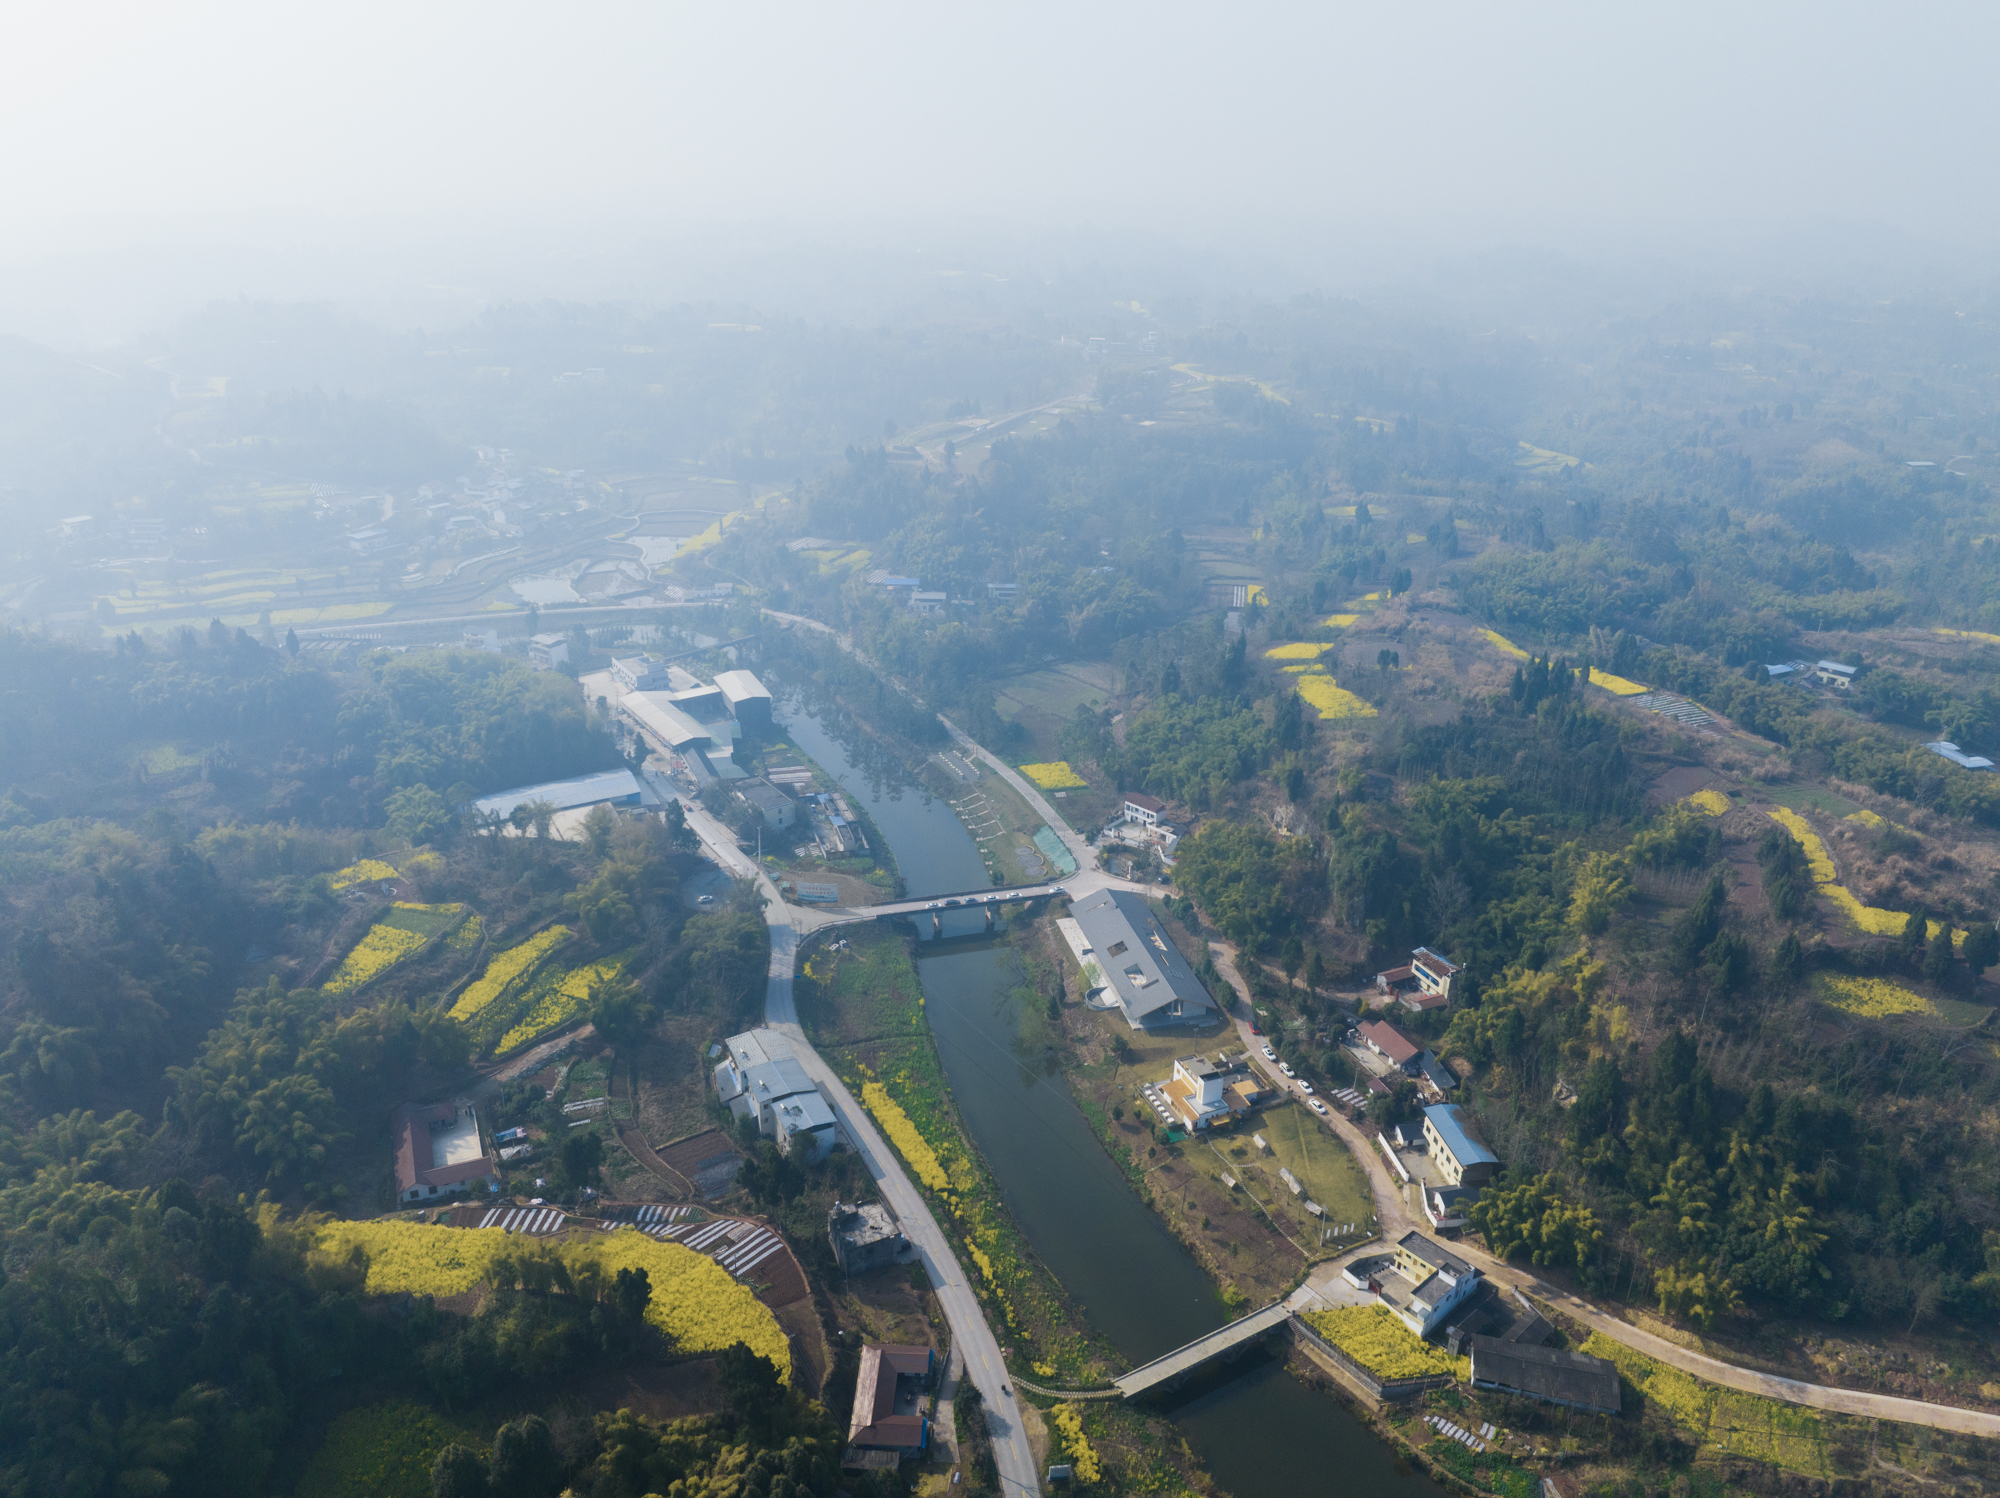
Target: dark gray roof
point(1138, 959)
point(1433, 1253)
point(1571, 1378)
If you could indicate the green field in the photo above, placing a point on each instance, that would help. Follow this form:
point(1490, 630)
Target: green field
point(1324, 1166)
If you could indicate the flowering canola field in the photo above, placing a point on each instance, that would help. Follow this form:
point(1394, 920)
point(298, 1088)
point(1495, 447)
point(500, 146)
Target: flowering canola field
point(1871, 998)
point(503, 969)
point(365, 872)
point(903, 1134)
point(1055, 775)
point(381, 949)
point(1870, 918)
point(1712, 802)
point(1302, 650)
point(1334, 702)
point(695, 1302)
point(556, 1000)
point(1375, 1339)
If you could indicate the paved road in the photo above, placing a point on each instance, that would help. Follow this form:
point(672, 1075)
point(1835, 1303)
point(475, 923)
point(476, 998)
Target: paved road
point(1392, 1207)
point(1078, 845)
point(972, 1338)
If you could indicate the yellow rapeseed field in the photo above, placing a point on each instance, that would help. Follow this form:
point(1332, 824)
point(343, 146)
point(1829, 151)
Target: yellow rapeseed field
point(1055, 775)
point(503, 969)
point(1302, 650)
point(1970, 634)
point(1375, 1339)
point(559, 1005)
point(1711, 801)
point(903, 1134)
point(695, 1301)
point(1869, 918)
point(366, 871)
point(381, 949)
point(1505, 645)
point(1872, 998)
point(1340, 621)
point(1615, 684)
point(1333, 701)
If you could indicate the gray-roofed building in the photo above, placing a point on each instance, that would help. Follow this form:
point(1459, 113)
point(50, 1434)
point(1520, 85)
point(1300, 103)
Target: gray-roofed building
point(1460, 1157)
point(1574, 1379)
point(1436, 1073)
point(704, 704)
point(704, 746)
point(1945, 749)
point(773, 805)
point(611, 788)
point(748, 698)
point(864, 1237)
point(1141, 967)
point(1440, 1281)
point(804, 1121)
point(732, 1072)
point(1835, 674)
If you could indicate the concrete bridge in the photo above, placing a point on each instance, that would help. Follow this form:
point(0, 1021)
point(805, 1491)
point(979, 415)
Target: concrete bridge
point(988, 900)
point(1224, 1341)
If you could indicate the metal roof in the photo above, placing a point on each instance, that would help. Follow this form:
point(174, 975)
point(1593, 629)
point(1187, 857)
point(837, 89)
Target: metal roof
point(1140, 963)
point(1450, 1125)
point(587, 790)
point(1571, 1378)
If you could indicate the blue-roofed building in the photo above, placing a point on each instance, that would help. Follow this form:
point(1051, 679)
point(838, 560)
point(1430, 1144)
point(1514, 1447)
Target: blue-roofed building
point(1461, 1159)
point(1945, 749)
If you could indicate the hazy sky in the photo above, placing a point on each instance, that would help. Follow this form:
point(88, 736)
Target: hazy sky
point(1272, 128)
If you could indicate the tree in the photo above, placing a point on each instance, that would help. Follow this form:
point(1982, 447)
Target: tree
point(631, 1293)
point(598, 825)
point(458, 1472)
point(1788, 962)
point(524, 1463)
point(1939, 959)
point(1982, 947)
point(581, 1160)
point(417, 814)
point(750, 1383)
point(291, 642)
point(619, 1010)
point(1910, 945)
point(541, 816)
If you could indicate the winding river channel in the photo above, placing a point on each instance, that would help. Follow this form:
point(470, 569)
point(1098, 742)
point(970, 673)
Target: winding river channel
point(1257, 1429)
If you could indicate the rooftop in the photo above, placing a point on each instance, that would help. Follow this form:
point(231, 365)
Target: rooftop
point(586, 790)
point(864, 1222)
point(1390, 1041)
point(885, 1413)
point(1144, 969)
point(1454, 1129)
point(1572, 1378)
point(1433, 1253)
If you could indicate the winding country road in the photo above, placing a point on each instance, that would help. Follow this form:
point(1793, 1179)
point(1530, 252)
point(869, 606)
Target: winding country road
point(1393, 1210)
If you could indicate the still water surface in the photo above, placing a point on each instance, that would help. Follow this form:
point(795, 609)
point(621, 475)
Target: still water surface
point(1256, 1427)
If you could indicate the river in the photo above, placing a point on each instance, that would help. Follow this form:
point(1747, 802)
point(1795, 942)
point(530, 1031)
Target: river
point(1257, 1429)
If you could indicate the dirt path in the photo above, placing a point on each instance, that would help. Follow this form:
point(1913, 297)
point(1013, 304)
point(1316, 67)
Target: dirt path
point(636, 1146)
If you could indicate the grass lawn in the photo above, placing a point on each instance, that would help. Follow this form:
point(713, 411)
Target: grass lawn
point(1043, 701)
point(1324, 1166)
point(1809, 797)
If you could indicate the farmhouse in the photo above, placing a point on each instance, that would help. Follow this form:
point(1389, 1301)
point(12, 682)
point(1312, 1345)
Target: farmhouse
point(438, 1152)
point(1436, 1281)
point(1144, 809)
point(1202, 1093)
point(864, 1237)
point(1142, 968)
point(1835, 674)
point(887, 1400)
point(1574, 1379)
point(1391, 1044)
point(773, 805)
point(546, 652)
point(1428, 970)
point(1461, 1159)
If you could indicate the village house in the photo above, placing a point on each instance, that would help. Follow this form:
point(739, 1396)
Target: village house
point(1461, 1159)
point(888, 1403)
point(439, 1153)
point(1430, 972)
point(1436, 1281)
point(1392, 1045)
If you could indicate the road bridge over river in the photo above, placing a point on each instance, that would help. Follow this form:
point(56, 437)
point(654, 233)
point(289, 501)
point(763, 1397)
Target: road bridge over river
point(1224, 1341)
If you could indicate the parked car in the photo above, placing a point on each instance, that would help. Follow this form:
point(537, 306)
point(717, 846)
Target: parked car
point(1306, 1088)
point(1286, 1070)
point(706, 900)
point(1318, 1106)
point(1269, 1054)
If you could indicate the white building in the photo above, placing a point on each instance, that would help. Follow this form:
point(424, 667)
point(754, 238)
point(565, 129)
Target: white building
point(1835, 674)
point(1143, 809)
point(764, 1081)
point(546, 652)
point(1435, 1282)
point(1945, 749)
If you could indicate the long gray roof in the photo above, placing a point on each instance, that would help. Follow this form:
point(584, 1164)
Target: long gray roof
point(1572, 1378)
point(1137, 957)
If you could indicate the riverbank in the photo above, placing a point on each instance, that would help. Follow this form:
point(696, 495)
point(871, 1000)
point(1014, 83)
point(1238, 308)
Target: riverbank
point(860, 1002)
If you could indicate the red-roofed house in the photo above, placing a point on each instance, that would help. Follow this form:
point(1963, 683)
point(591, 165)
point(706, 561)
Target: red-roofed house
point(1386, 1041)
point(438, 1152)
point(887, 1398)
